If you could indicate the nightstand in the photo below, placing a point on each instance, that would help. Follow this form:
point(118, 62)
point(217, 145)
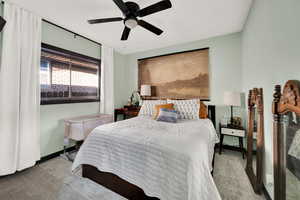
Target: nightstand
point(234, 132)
point(127, 112)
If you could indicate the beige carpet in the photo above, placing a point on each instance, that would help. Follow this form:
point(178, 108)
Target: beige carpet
point(231, 179)
point(53, 180)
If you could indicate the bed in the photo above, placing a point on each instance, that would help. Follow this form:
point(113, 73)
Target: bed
point(141, 158)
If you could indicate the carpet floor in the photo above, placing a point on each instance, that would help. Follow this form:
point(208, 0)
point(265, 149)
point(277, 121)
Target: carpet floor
point(52, 180)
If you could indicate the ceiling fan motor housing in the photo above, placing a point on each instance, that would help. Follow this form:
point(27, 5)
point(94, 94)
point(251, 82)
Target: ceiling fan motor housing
point(131, 18)
point(133, 9)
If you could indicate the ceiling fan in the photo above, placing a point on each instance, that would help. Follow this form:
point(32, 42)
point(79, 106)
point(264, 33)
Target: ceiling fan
point(132, 12)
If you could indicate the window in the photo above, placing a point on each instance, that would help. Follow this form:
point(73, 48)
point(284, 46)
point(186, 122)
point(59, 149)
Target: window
point(68, 77)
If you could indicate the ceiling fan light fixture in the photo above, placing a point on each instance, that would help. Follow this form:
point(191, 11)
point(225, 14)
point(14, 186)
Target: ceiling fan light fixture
point(131, 23)
point(132, 13)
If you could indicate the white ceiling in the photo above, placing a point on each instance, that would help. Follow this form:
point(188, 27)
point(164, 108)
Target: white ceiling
point(187, 20)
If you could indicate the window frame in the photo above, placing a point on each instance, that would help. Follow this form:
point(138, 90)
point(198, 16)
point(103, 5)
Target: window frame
point(72, 55)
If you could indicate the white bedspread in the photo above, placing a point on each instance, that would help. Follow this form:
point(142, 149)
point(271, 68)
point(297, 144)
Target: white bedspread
point(168, 161)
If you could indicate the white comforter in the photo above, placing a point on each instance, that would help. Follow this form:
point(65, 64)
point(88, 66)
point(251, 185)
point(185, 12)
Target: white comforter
point(168, 161)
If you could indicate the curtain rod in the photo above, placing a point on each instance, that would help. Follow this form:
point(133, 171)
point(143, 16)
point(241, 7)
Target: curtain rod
point(76, 34)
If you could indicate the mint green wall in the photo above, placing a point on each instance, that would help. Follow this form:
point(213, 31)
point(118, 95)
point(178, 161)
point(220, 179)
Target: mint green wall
point(122, 78)
point(58, 37)
point(52, 126)
point(225, 69)
point(271, 55)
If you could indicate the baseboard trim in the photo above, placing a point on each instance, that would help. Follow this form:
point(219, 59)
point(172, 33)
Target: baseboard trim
point(54, 155)
point(266, 193)
point(43, 159)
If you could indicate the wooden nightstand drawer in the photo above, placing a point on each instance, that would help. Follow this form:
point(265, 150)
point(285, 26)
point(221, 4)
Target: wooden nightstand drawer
point(234, 132)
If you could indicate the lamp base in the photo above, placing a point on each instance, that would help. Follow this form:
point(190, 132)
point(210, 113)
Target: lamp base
point(236, 123)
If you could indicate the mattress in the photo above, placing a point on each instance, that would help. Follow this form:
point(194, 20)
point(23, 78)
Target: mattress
point(168, 161)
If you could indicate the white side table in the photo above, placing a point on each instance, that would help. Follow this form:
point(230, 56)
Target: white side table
point(235, 132)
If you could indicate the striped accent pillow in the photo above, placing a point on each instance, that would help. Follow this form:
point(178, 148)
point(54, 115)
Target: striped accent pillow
point(167, 115)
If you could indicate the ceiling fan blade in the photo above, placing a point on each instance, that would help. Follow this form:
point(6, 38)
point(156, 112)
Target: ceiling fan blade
point(150, 27)
point(122, 6)
point(162, 5)
point(105, 20)
point(125, 33)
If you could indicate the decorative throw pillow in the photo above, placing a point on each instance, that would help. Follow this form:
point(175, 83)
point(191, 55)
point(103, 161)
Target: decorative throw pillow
point(203, 113)
point(148, 106)
point(167, 115)
point(186, 109)
point(169, 106)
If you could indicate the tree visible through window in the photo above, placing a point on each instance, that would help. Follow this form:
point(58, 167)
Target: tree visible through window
point(68, 77)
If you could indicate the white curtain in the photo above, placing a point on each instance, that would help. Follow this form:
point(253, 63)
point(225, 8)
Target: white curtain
point(19, 90)
point(107, 80)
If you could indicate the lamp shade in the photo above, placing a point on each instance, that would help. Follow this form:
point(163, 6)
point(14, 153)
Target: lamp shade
point(232, 98)
point(145, 90)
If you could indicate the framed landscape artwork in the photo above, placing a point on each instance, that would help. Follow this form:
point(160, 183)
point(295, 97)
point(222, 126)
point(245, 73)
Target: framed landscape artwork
point(180, 76)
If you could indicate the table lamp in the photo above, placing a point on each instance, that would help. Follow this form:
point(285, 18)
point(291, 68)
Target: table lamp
point(232, 99)
point(145, 90)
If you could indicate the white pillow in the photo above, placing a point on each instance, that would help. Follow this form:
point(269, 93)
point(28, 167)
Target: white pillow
point(148, 107)
point(187, 109)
